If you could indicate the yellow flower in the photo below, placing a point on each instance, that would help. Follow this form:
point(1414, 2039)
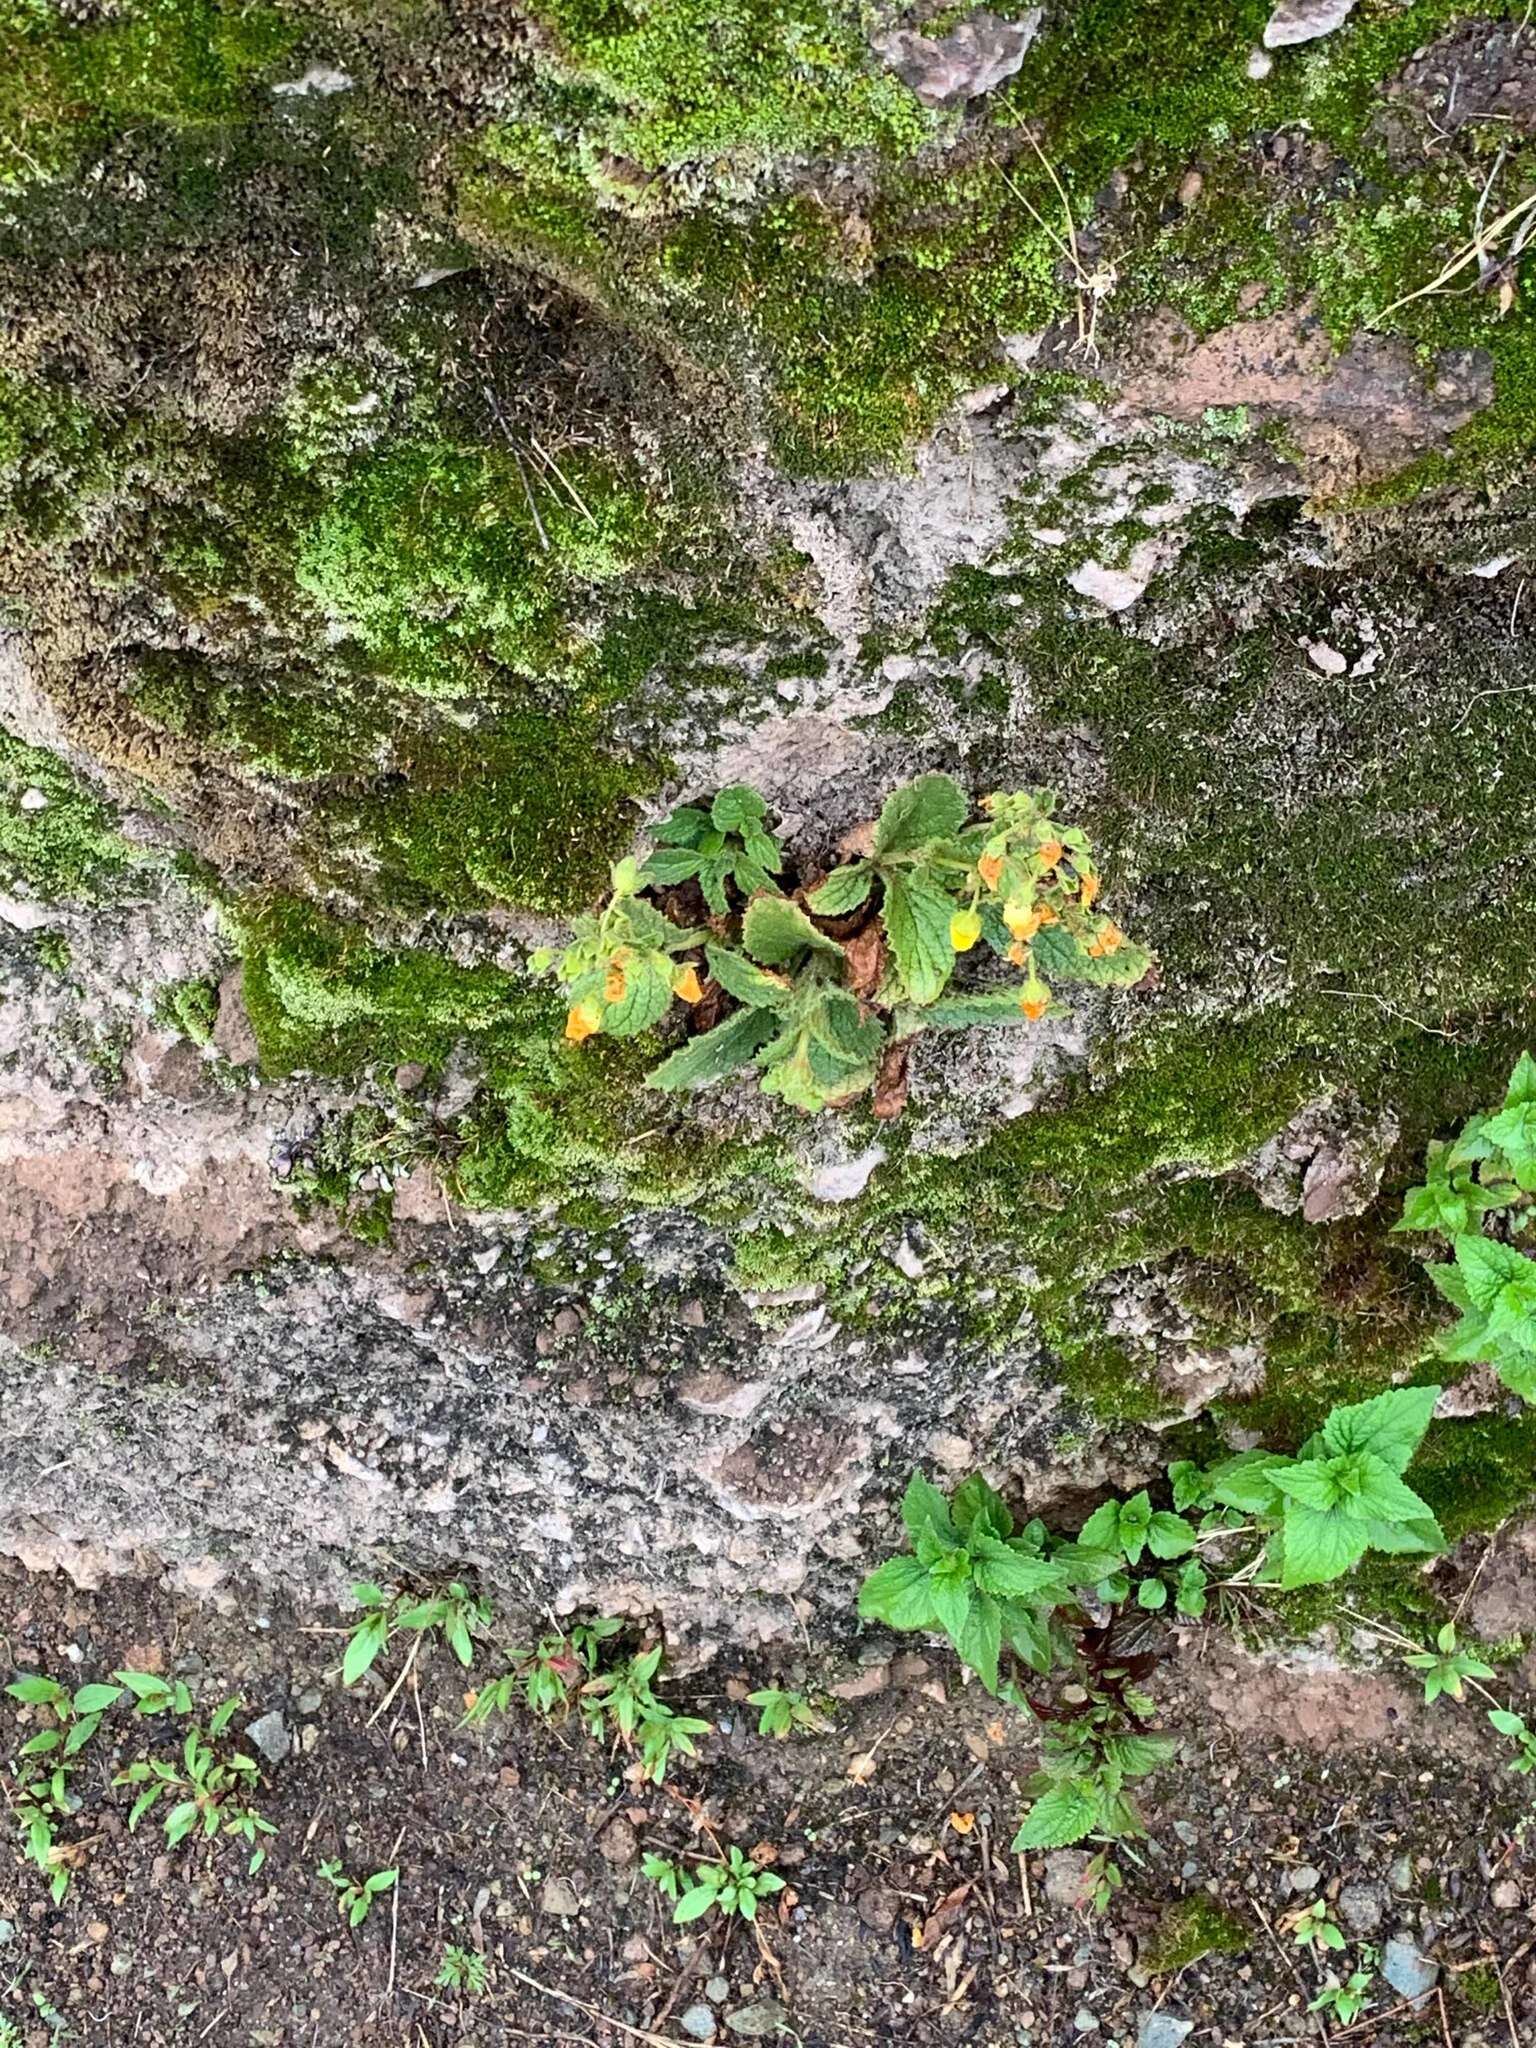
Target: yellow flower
point(686, 983)
point(964, 930)
point(582, 1021)
point(1021, 920)
point(1018, 953)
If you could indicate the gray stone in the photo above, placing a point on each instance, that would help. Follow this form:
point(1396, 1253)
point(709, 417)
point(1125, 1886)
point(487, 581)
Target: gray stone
point(7, 1932)
point(1400, 1875)
point(1302, 21)
point(309, 1701)
point(1305, 1879)
point(1064, 1876)
point(1162, 2030)
point(271, 1737)
point(1361, 1907)
point(757, 2022)
point(973, 58)
point(698, 2023)
point(717, 1990)
point(559, 1899)
point(1084, 2021)
point(1410, 1974)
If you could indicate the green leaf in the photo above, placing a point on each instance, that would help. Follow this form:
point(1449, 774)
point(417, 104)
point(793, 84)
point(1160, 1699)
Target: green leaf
point(925, 1511)
point(1152, 1594)
point(668, 865)
point(916, 914)
point(95, 1699)
point(1101, 1531)
point(381, 1881)
point(1169, 1535)
point(713, 1054)
point(843, 890)
point(1319, 1545)
point(980, 1639)
point(180, 1821)
point(748, 983)
point(1313, 1481)
point(1059, 957)
point(1136, 1755)
point(952, 1599)
point(1390, 1426)
point(1013, 1576)
point(36, 1691)
point(777, 931)
point(1247, 1482)
point(81, 1734)
point(1190, 1599)
point(991, 1006)
point(1062, 1816)
point(899, 1593)
point(976, 1505)
point(1375, 1491)
point(695, 1903)
point(646, 999)
point(736, 807)
point(932, 807)
point(363, 1646)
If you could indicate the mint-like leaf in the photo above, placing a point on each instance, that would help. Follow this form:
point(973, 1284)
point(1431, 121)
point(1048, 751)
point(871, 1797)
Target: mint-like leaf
point(932, 807)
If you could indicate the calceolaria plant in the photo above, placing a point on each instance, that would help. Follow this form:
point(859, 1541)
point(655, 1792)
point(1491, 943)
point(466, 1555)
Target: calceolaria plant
point(1021, 1604)
point(1479, 1196)
point(818, 980)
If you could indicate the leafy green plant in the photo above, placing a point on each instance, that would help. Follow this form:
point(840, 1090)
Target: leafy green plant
point(1445, 1668)
point(1484, 1180)
point(154, 1695)
point(463, 1970)
point(1345, 2002)
point(43, 1765)
point(621, 1701)
point(1315, 1927)
point(546, 1678)
point(825, 984)
point(727, 843)
point(1000, 1592)
point(781, 1713)
point(732, 1885)
point(1514, 1726)
point(10, 2034)
point(210, 1788)
point(456, 1615)
point(355, 1895)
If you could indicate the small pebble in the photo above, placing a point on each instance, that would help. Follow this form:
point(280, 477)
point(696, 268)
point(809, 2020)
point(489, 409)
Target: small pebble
point(698, 2023)
point(1084, 2021)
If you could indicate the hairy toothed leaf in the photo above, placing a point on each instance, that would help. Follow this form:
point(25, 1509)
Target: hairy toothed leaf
point(714, 1054)
point(916, 914)
point(979, 1639)
point(899, 1593)
point(932, 807)
point(1013, 1576)
point(976, 1505)
point(843, 890)
point(737, 807)
point(776, 931)
point(1389, 1426)
point(1060, 957)
point(1058, 1818)
point(1319, 1545)
point(646, 997)
point(1169, 1535)
point(964, 1013)
point(668, 865)
point(925, 1511)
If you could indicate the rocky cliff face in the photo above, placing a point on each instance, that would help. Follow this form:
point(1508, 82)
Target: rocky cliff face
point(436, 437)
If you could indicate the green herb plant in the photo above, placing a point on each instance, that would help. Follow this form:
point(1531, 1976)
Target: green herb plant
point(621, 1703)
point(1315, 1927)
point(457, 1616)
point(1344, 2002)
point(43, 1766)
point(782, 1714)
point(1478, 1197)
point(1025, 1599)
point(463, 1970)
point(731, 1884)
point(547, 1677)
point(826, 977)
point(355, 1895)
point(209, 1789)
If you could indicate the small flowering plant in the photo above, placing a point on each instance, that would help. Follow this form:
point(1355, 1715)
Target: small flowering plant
point(820, 981)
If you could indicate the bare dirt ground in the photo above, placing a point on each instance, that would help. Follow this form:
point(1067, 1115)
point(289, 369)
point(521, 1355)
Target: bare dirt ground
point(905, 1918)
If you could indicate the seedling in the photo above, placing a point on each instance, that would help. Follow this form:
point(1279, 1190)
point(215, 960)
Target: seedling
point(732, 1885)
point(43, 1766)
point(1345, 2002)
point(1524, 1738)
point(547, 1677)
point(1315, 1927)
point(207, 1790)
point(1446, 1668)
point(622, 1700)
point(355, 1895)
point(827, 983)
point(77, 1715)
point(1486, 1178)
point(457, 1615)
point(153, 1695)
point(463, 1970)
point(782, 1714)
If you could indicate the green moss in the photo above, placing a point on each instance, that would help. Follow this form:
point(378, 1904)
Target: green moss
point(66, 848)
point(183, 63)
point(1191, 1928)
point(1479, 1988)
point(190, 1007)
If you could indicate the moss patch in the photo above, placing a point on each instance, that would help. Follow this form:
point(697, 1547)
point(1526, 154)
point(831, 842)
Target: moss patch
point(65, 847)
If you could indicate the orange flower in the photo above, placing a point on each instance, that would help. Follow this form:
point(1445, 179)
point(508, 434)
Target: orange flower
point(1018, 953)
point(1047, 915)
point(1034, 1007)
point(686, 983)
point(1111, 938)
point(1021, 920)
point(582, 1020)
point(989, 867)
point(613, 987)
point(1089, 891)
point(1050, 853)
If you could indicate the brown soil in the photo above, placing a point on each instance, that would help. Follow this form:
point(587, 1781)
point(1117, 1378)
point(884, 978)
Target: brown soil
point(905, 1917)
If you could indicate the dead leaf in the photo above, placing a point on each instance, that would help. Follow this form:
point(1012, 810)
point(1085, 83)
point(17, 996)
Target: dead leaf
point(764, 1853)
point(859, 844)
point(943, 1916)
point(891, 1080)
point(962, 1823)
point(865, 954)
point(996, 1733)
point(862, 1769)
